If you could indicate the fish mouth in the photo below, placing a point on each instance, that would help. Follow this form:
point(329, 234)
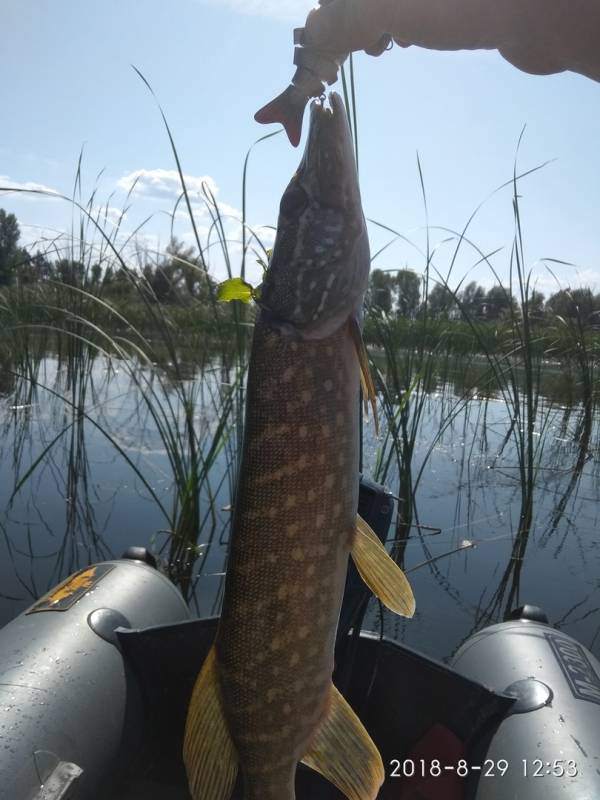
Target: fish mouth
point(327, 115)
point(336, 105)
point(329, 142)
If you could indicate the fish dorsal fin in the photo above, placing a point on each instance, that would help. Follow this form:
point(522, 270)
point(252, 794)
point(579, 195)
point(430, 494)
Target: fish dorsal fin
point(366, 380)
point(209, 755)
point(380, 572)
point(343, 752)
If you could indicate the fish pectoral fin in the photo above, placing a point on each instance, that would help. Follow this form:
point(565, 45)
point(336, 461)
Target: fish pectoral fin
point(210, 758)
point(380, 572)
point(366, 380)
point(343, 752)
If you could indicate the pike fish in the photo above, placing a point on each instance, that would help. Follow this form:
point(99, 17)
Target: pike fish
point(314, 69)
point(264, 699)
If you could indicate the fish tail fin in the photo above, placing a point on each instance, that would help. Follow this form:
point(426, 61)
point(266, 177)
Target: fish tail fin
point(209, 754)
point(343, 752)
point(380, 572)
point(288, 109)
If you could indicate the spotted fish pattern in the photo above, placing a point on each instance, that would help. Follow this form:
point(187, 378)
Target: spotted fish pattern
point(264, 699)
point(294, 528)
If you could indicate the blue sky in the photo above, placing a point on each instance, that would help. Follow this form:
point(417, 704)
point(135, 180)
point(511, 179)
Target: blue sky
point(67, 83)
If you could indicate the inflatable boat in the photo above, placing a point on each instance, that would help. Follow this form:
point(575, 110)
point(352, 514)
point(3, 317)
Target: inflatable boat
point(95, 679)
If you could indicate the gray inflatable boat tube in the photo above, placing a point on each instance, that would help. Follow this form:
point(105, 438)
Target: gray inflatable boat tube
point(70, 708)
point(548, 747)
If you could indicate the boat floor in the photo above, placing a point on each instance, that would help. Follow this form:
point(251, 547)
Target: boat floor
point(399, 694)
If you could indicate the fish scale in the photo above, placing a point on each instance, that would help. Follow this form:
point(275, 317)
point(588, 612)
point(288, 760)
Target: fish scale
point(294, 523)
point(264, 699)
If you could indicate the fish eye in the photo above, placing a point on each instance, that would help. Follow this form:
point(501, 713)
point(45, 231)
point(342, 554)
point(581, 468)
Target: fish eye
point(293, 201)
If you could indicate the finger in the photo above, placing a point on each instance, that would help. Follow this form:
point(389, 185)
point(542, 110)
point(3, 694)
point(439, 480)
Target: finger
point(380, 46)
point(528, 60)
point(343, 26)
point(454, 24)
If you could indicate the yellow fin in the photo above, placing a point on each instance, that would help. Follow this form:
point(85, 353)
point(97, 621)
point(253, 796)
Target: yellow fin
point(344, 753)
point(209, 755)
point(366, 380)
point(234, 289)
point(380, 572)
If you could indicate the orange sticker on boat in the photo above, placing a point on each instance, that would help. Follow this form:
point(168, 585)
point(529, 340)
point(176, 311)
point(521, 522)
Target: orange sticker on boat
point(66, 594)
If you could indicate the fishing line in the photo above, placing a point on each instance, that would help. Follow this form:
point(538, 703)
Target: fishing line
point(360, 430)
point(377, 652)
point(470, 545)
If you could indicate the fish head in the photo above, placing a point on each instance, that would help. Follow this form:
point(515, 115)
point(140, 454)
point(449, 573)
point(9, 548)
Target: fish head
point(319, 269)
point(315, 68)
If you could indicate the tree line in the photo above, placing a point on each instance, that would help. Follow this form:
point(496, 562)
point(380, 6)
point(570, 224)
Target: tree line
point(178, 274)
point(400, 293)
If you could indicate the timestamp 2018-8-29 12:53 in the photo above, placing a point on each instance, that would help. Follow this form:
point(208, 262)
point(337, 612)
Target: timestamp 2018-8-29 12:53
point(490, 768)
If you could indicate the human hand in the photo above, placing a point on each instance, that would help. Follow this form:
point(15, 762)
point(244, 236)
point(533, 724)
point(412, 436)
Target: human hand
point(537, 36)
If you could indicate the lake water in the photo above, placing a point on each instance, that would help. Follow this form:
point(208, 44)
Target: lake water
point(84, 502)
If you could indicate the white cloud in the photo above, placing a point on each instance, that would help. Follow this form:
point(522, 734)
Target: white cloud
point(164, 183)
point(7, 185)
point(229, 211)
point(294, 10)
point(565, 277)
point(150, 185)
point(109, 214)
point(229, 214)
point(266, 234)
point(52, 241)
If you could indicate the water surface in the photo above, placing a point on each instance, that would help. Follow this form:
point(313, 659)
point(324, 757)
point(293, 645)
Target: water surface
point(83, 501)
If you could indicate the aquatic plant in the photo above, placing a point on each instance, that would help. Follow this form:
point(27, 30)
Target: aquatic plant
point(197, 413)
point(185, 356)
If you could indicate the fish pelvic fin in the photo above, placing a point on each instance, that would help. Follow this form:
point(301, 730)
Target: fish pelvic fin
point(366, 380)
point(343, 752)
point(380, 572)
point(209, 755)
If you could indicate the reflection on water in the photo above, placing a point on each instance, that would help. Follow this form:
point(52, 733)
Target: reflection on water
point(472, 492)
point(87, 469)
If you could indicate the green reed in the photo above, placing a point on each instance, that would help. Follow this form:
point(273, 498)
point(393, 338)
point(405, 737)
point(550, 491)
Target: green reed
point(84, 323)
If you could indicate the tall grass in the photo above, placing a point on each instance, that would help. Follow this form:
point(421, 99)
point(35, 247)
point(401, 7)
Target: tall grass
point(202, 454)
point(83, 326)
